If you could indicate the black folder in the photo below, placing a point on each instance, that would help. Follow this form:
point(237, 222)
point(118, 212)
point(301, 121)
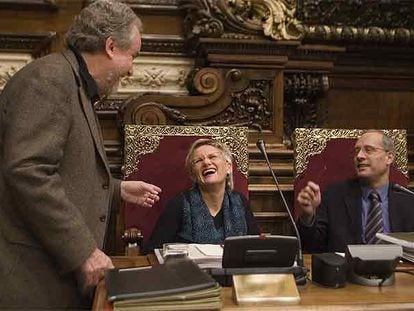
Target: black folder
point(173, 277)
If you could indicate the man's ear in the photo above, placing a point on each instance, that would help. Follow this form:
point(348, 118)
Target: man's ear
point(391, 158)
point(110, 47)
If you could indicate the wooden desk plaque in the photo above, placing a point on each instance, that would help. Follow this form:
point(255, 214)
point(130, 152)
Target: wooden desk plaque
point(265, 289)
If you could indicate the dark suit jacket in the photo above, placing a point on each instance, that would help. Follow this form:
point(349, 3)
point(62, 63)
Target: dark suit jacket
point(338, 221)
point(56, 189)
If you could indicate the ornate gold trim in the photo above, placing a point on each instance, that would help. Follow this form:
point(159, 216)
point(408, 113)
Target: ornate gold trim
point(311, 141)
point(351, 34)
point(276, 18)
point(280, 22)
point(144, 139)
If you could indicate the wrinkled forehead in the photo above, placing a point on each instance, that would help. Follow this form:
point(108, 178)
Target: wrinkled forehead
point(205, 150)
point(370, 139)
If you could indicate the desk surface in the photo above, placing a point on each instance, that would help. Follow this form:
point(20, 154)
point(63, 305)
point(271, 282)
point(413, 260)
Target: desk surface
point(399, 296)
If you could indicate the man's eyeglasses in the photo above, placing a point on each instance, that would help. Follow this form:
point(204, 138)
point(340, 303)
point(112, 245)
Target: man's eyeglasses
point(367, 150)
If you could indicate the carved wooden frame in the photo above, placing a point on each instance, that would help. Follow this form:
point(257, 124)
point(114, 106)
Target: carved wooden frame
point(143, 139)
point(310, 142)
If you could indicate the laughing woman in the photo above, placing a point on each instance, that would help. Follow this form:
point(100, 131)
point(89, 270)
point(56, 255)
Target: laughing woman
point(210, 211)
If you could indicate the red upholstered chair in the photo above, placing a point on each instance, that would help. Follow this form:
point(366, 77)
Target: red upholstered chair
point(156, 154)
point(326, 156)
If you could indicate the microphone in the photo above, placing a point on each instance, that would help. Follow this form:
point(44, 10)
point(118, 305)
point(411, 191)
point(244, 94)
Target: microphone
point(261, 146)
point(398, 187)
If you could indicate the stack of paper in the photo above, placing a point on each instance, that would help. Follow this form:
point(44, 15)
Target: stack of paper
point(205, 255)
point(178, 284)
point(404, 239)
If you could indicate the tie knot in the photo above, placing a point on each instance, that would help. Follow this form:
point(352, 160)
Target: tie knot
point(374, 196)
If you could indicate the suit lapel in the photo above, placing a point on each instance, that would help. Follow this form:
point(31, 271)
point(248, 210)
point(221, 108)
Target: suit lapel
point(394, 201)
point(88, 110)
point(354, 207)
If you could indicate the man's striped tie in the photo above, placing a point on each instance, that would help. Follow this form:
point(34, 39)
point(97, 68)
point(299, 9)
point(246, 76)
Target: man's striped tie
point(375, 222)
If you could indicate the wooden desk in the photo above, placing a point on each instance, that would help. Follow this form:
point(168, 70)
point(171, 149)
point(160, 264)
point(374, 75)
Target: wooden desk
point(399, 296)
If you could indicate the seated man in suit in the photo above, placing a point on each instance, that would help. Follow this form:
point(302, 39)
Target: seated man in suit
point(211, 210)
point(353, 211)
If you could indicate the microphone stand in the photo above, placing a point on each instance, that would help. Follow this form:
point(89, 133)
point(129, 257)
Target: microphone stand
point(398, 187)
point(301, 277)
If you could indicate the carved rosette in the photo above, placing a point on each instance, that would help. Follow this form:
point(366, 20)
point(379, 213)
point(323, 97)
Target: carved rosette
point(310, 142)
point(207, 81)
point(143, 139)
point(300, 108)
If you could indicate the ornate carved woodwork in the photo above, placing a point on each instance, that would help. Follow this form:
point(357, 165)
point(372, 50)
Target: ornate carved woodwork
point(347, 21)
point(151, 6)
point(301, 108)
point(17, 50)
point(157, 74)
point(9, 64)
point(229, 19)
point(36, 5)
point(36, 44)
point(368, 13)
point(218, 97)
point(369, 21)
point(168, 45)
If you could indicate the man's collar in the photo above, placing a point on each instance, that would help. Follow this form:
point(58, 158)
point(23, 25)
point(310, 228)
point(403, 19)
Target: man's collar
point(91, 88)
point(383, 191)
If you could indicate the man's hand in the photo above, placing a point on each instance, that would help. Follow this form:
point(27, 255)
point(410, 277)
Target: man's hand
point(93, 270)
point(140, 193)
point(309, 199)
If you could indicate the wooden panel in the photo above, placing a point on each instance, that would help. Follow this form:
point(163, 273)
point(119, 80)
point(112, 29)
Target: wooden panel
point(41, 20)
point(370, 109)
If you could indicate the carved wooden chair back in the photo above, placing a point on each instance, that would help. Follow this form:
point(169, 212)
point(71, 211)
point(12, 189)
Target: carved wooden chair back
point(156, 154)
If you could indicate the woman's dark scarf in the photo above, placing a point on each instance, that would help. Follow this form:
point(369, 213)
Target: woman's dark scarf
point(198, 224)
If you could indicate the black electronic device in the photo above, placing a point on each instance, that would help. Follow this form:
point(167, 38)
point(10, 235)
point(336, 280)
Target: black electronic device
point(262, 251)
point(372, 265)
point(329, 269)
point(301, 277)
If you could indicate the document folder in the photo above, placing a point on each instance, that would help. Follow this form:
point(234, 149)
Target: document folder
point(173, 277)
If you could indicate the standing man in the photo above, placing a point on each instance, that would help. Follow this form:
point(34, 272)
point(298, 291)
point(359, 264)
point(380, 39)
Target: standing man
point(353, 211)
point(56, 190)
